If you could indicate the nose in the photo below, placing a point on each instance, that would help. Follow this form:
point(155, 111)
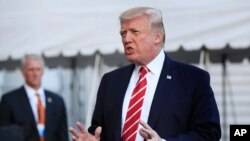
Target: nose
point(126, 38)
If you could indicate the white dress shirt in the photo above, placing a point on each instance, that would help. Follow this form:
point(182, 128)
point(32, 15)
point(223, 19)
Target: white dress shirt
point(155, 67)
point(33, 98)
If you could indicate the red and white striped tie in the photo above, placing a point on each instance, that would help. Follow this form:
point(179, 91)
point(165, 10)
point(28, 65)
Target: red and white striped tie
point(135, 107)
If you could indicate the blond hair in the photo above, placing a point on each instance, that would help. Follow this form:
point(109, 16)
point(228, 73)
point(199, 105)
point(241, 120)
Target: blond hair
point(154, 16)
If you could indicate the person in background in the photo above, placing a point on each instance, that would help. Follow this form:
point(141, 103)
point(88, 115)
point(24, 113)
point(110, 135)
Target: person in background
point(40, 113)
point(155, 98)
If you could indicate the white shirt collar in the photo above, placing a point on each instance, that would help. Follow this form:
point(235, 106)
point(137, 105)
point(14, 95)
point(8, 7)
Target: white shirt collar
point(156, 64)
point(32, 92)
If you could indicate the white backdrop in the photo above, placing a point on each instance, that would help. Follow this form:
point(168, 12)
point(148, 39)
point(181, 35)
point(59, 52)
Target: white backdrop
point(78, 88)
point(82, 26)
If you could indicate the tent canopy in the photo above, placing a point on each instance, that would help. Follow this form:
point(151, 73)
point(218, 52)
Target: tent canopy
point(66, 28)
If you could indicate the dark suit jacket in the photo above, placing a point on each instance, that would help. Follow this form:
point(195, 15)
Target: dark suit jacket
point(15, 109)
point(11, 133)
point(183, 108)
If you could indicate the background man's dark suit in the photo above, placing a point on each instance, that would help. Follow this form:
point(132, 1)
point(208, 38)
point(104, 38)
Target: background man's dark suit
point(15, 109)
point(183, 107)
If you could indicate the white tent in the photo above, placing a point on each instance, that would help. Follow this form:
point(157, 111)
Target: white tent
point(66, 29)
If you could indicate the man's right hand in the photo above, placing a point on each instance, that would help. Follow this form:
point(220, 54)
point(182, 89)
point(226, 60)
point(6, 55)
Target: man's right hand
point(83, 134)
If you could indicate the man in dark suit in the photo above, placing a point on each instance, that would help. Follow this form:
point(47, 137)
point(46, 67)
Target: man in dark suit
point(155, 98)
point(39, 113)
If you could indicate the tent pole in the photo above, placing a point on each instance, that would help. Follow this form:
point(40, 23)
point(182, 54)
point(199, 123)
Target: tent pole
point(93, 89)
point(204, 58)
point(224, 97)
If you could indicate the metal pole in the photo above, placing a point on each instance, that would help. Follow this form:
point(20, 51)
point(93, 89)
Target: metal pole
point(224, 98)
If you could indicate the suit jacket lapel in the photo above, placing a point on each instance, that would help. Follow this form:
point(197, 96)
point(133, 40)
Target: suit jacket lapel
point(124, 81)
point(25, 103)
point(163, 89)
point(48, 110)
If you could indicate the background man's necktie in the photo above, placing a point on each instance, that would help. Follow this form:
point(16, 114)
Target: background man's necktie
point(135, 106)
point(41, 117)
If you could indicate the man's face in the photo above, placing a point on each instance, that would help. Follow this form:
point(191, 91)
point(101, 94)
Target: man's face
point(32, 72)
point(139, 41)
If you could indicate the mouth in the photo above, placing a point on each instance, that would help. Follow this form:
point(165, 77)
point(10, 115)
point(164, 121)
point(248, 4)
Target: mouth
point(129, 50)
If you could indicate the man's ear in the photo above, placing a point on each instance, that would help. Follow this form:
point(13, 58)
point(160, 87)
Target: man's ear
point(22, 71)
point(158, 37)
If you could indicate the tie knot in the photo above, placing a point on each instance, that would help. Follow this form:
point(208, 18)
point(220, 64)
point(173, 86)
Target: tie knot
point(143, 70)
point(37, 94)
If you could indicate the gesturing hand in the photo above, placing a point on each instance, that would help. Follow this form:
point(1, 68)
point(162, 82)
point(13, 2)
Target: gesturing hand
point(83, 134)
point(148, 133)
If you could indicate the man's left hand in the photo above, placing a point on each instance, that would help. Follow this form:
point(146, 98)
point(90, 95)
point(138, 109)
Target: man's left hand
point(148, 133)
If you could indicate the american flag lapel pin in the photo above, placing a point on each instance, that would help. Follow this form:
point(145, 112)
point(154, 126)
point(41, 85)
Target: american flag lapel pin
point(49, 99)
point(169, 77)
